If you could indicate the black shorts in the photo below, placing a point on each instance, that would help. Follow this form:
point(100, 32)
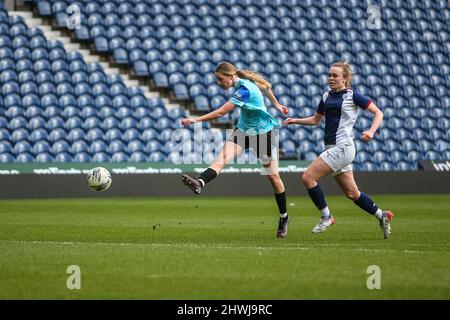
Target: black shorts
point(263, 145)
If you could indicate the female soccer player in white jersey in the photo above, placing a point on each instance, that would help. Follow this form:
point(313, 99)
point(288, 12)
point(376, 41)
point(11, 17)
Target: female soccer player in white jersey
point(340, 106)
point(254, 131)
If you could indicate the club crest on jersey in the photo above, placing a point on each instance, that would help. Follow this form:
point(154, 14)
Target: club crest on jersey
point(238, 96)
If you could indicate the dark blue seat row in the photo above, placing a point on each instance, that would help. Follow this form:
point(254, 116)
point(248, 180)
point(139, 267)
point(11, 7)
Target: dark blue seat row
point(164, 38)
point(55, 107)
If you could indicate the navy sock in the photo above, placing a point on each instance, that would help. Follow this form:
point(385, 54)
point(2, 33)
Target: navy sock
point(281, 201)
point(318, 197)
point(207, 175)
point(367, 204)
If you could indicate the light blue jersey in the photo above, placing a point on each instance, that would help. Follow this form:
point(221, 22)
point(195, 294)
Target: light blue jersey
point(254, 116)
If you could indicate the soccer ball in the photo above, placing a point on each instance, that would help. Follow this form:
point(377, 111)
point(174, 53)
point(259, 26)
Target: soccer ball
point(99, 179)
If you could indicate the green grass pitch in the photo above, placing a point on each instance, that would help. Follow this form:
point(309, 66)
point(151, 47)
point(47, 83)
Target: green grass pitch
point(222, 248)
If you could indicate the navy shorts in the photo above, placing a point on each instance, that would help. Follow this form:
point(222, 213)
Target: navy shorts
point(263, 145)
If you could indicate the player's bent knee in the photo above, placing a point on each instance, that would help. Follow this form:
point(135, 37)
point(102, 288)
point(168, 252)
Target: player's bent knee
point(352, 195)
point(274, 178)
point(307, 178)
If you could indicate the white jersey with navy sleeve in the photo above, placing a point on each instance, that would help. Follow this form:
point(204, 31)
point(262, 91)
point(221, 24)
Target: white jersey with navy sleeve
point(341, 110)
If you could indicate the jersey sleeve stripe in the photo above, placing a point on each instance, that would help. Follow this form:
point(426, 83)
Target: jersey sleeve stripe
point(368, 104)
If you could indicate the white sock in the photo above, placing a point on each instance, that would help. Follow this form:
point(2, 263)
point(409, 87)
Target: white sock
point(379, 214)
point(202, 182)
point(283, 215)
point(325, 212)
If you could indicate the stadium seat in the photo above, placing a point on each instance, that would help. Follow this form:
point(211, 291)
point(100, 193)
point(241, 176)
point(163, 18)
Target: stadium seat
point(409, 145)
point(75, 134)
point(140, 112)
point(380, 156)
point(81, 157)
point(128, 123)
point(152, 146)
point(161, 80)
point(98, 146)
point(369, 166)
point(386, 166)
point(38, 134)
point(57, 134)
point(443, 123)
point(63, 157)
point(91, 123)
point(441, 146)
point(72, 123)
point(17, 135)
point(60, 146)
point(5, 147)
point(130, 134)
point(116, 146)
point(78, 147)
point(51, 110)
point(24, 158)
point(36, 123)
point(22, 147)
point(434, 134)
point(93, 134)
point(145, 123)
point(403, 166)
point(9, 76)
point(156, 157)
point(134, 146)
point(6, 158)
point(121, 101)
point(425, 146)
point(119, 157)
point(112, 134)
point(14, 111)
point(101, 157)
point(149, 134)
point(137, 157)
point(100, 89)
point(44, 157)
point(362, 156)
point(17, 123)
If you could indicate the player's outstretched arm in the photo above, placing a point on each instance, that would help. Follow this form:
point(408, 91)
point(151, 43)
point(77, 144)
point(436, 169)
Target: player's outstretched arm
point(310, 121)
point(269, 94)
point(368, 135)
point(223, 110)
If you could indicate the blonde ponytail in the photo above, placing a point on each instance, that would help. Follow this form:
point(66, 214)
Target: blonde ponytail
point(229, 69)
point(255, 77)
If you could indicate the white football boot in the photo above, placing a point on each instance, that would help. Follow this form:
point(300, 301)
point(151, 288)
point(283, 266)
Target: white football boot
point(323, 225)
point(385, 223)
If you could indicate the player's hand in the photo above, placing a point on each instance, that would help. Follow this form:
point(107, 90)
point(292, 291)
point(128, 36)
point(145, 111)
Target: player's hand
point(188, 121)
point(283, 109)
point(289, 121)
point(367, 136)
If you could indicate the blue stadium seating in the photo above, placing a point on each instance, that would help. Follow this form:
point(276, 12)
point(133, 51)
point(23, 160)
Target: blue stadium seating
point(52, 111)
point(50, 95)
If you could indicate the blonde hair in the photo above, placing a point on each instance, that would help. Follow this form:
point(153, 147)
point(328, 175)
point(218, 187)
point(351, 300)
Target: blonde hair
point(346, 70)
point(229, 69)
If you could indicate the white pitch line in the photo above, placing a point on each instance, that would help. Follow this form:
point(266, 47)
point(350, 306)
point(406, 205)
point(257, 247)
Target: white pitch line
point(132, 244)
point(290, 246)
point(352, 244)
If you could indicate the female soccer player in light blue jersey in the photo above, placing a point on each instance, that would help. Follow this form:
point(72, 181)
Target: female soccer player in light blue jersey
point(254, 131)
point(340, 106)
